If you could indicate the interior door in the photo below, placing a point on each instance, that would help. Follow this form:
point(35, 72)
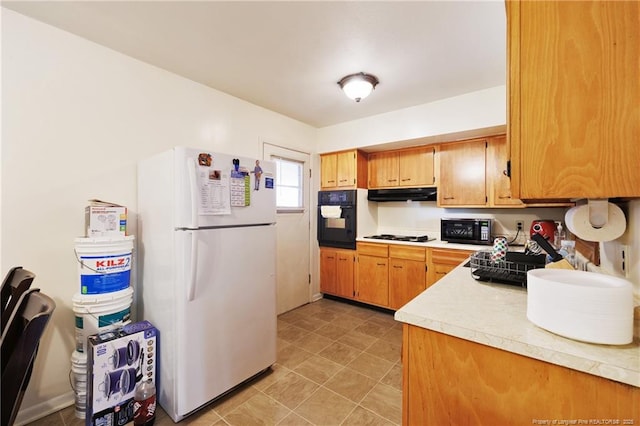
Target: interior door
point(293, 233)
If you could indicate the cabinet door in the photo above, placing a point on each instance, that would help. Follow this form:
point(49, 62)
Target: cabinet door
point(328, 271)
point(416, 167)
point(407, 279)
point(498, 181)
point(383, 169)
point(345, 260)
point(346, 168)
point(328, 170)
point(442, 261)
point(373, 280)
point(573, 103)
point(433, 361)
point(462, 174)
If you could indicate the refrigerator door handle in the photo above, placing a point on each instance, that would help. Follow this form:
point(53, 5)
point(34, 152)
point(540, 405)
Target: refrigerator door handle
point(193, 189)
point(193, 267)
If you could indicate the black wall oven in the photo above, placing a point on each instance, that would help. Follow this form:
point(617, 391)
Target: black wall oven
point(337, 219)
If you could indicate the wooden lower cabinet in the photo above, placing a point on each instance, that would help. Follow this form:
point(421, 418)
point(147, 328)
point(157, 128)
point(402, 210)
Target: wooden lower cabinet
point(407, 274)
point(337, 271)
point(447, 380)
point(384, 275)
point(442, 261)
point(373, 274)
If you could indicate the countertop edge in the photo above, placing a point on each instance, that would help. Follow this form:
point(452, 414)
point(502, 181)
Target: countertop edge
point(525, 339)
point(600, 369)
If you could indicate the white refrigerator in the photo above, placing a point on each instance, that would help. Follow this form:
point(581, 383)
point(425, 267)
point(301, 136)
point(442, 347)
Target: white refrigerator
point(207, 271)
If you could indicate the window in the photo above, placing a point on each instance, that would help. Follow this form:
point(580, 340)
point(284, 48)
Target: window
point(289, 184)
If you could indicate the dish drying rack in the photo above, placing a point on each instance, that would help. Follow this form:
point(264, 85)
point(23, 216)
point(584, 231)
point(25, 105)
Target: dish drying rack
point(512, 270)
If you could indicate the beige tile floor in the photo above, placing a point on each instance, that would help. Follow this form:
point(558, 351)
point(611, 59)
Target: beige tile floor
point(338, 364)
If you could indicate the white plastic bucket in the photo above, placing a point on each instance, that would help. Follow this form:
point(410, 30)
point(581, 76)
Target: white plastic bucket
point(78, 371)
point(104, 264)
point(78, 379)
point(98, 313)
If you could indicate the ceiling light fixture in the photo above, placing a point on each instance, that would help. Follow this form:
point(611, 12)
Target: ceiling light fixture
point(358, 86)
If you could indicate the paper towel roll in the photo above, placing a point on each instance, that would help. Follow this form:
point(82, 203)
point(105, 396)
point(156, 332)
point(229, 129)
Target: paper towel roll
point(330, 212)
point(577, 220)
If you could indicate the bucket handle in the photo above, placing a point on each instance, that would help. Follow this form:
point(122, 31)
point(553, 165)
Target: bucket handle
point(71, 381)
point(82, 263)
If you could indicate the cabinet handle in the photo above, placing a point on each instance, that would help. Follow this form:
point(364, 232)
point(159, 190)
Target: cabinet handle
point(504, 197)
point(342, 258)
point(397, 266)
point(344, 180)
point(330, 257)
point(405, 179)
point(449, 198)
point(381, 264)
point(392, 180)
point(331, 181)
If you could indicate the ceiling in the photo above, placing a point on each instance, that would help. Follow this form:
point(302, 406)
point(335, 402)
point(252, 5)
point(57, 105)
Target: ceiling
point(288, 56)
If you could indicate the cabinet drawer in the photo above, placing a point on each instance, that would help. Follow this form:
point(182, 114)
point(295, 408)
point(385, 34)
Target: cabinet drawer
point(407, 252)
point(371, 249)
point(450, 257)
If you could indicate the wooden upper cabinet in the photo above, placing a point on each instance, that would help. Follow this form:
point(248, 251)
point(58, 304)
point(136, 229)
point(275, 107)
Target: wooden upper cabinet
point(383, 169)
point(329, 170)
point(498, 181)
point(574, 98)
point(416, 167)
point(413, 167)
point(462, 174)
point(345, 169)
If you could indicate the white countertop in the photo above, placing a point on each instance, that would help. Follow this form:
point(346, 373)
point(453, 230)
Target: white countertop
point(495, 315)
point(433, 243)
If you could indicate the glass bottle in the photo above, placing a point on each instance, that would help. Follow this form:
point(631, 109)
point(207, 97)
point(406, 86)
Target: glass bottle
point(145, 403)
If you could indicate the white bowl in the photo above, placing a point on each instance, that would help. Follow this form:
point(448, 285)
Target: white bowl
point(585, 306)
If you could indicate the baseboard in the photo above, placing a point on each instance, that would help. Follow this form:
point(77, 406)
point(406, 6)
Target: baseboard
point(36, 412)
point(316, 297)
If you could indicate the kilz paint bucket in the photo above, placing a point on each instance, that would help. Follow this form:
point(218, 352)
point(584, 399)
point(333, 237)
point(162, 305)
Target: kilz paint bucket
point(99, 313)
point(104, 264)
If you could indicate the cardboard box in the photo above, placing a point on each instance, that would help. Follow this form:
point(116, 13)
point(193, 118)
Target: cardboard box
point(105, 219)
point(117, 361)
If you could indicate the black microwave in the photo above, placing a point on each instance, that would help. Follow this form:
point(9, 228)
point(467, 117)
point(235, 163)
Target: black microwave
point(466, 231)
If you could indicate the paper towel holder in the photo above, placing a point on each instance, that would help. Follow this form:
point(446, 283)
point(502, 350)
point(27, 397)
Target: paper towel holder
point(598, 212)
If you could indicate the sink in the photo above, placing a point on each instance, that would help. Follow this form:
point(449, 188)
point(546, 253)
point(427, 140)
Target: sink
point(580, 305)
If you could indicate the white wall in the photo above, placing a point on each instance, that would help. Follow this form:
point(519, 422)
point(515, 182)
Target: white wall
point(76, 119)
point(611, 261)
point(476, 110)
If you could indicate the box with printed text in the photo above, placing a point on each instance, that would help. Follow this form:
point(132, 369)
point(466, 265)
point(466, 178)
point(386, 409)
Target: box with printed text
point(117, 361)
point(105, 219)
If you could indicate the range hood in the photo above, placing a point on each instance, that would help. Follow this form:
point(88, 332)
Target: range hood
point(403, 194)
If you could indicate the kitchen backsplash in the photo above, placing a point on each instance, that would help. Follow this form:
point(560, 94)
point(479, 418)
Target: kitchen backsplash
point(424, 218)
